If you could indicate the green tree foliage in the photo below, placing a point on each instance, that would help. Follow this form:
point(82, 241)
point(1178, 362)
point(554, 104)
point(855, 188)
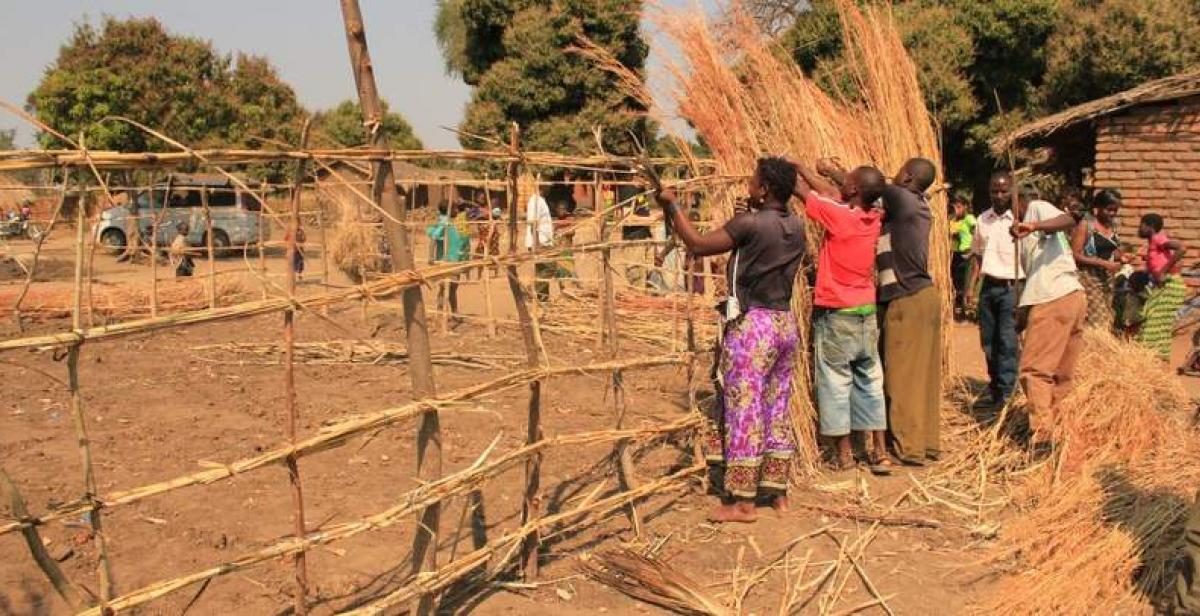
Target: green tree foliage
point(175, 84)
point(514, 53)
point(8, 139)
point(989, 66)
point(343, 127)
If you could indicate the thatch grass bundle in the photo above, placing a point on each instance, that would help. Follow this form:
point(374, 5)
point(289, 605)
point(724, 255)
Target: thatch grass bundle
point(650, 579)
point(354, 248)
point(747, 99)
point(1099, 521)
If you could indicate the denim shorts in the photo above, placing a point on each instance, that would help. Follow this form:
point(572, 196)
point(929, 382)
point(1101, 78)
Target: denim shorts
point(849, 375)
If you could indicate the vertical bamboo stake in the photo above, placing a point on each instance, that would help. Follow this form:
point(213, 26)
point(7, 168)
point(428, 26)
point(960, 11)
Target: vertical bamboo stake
point(166, 202)
point(81, 435)
point(609, 317)
point(601, 236)
point(444, 293)
point(289, 380)
point(486, 270)
point(531, 506)
point(420, 367)
point(208, 239)
point(262, 239)
point(689, 283)
point(37, 251)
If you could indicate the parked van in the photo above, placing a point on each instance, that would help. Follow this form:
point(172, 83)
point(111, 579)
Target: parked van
point(236, 215)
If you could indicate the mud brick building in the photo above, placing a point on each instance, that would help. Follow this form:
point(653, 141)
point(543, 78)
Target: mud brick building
point(1144, 142)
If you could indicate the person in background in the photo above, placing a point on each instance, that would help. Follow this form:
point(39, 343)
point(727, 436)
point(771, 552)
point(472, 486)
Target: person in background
point(849, 375)
point(962, 232)
point(180, 252)
point(1167, 290)
point(564, 266)
point(298, 257)
point(539, 235)
point(449, 245)
point(760, 337)
point(1056, 302)
point(997, 274)
point(1097, 251)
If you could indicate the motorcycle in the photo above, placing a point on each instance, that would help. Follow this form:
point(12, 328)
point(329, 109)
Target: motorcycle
point(19, 226)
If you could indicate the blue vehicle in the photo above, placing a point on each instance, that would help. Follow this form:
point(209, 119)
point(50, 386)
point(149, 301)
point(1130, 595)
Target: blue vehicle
point(236, 215)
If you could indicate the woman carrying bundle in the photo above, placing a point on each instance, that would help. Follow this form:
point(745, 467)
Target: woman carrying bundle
point(760, 337)
point(1097, 252)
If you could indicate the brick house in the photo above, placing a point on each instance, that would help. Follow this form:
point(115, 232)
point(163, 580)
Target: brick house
point(1144, 142)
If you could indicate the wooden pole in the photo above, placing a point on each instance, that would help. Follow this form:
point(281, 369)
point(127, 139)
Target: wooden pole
point(420, 368)
point(37, 548)
point(530, 509)
point(609, 313)
point(601, 231)
point(289, 380)
point(263, 220)
point(486, 270)
point(37, 251)
point(444, 293)
point(208, 240)
point(166, 202)
point(76, 398)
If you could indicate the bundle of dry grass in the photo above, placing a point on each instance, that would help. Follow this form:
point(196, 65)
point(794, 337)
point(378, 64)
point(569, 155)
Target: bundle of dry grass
point(651, 580)
point(748, 99)
point(1100, 517)
point(354, 248)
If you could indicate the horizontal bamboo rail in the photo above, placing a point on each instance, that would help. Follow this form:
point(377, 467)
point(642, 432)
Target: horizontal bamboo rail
point(332, 436)
point(388, 284)
point(413, 501)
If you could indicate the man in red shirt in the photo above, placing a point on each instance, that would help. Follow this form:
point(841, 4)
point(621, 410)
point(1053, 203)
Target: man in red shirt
point(849, 375)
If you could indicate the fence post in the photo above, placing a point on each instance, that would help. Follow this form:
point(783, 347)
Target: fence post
point(486, 270)
point(166, 202)
point(289, 379)
point(208, 240)
point(420, 368)
point(76, 398)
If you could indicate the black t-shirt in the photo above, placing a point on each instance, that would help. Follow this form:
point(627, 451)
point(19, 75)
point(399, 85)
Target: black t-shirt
point(769, 245)
point(902, 255)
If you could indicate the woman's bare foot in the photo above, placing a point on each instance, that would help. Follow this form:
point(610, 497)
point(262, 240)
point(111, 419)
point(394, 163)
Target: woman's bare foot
point(738, 511)
point(780, 504)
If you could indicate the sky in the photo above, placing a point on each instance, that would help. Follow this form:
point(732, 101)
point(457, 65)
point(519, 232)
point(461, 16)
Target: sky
point(303, 38)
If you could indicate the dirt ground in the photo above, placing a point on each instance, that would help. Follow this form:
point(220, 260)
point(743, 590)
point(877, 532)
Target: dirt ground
point(157, 408)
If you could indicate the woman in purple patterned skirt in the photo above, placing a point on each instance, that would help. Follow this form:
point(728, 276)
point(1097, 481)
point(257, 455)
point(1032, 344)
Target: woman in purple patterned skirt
point(759, 342)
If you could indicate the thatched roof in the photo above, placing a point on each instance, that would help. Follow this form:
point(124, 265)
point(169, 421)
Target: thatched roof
point(1167, 89)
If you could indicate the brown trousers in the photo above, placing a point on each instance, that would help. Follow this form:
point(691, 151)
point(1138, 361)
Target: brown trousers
point(912, 372)
point(1051, 346)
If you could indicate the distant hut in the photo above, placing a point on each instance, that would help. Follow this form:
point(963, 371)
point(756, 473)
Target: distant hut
point(1144, 142)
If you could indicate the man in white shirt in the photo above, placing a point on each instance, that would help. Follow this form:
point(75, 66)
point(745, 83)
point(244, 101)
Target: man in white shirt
point(1056, 302)
point(996, 275)
point(537, 215)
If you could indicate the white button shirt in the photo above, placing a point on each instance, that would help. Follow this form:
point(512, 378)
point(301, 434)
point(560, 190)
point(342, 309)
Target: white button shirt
point(537, 214)
point(995, 245)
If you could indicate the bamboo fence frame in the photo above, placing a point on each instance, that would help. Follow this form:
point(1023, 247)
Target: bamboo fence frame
point(426, 581)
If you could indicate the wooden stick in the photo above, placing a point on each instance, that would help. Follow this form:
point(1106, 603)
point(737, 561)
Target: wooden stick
point(208, 240)
point(154, 243)
point(63, 586)
point(485, 270)
point(81, 436)
point(262, 239)
point(37, 251)
point(289, 380)
point(384, 192)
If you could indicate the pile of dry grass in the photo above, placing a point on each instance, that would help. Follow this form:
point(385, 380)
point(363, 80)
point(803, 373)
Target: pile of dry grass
point(1099, 518)
point(748, 99)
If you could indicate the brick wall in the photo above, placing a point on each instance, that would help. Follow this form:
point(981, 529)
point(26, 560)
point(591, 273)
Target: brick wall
point(1151, 154)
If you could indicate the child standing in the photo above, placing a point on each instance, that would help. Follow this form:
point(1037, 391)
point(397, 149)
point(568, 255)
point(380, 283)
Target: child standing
point(1167, 292)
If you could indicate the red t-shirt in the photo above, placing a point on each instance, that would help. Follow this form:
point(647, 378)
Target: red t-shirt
point(846, 266)
point(1158, 254)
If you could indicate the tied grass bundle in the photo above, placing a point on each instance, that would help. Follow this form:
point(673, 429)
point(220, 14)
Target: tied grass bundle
point(354, 249)
point(651, 580)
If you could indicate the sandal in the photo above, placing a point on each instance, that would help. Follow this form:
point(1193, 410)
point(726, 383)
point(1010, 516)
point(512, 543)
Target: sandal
point(881, 466)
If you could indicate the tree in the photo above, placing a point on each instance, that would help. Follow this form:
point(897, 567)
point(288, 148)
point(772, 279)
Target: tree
point(516, 55)
point(343, 126)
point(986, 67)
point(176, 84)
